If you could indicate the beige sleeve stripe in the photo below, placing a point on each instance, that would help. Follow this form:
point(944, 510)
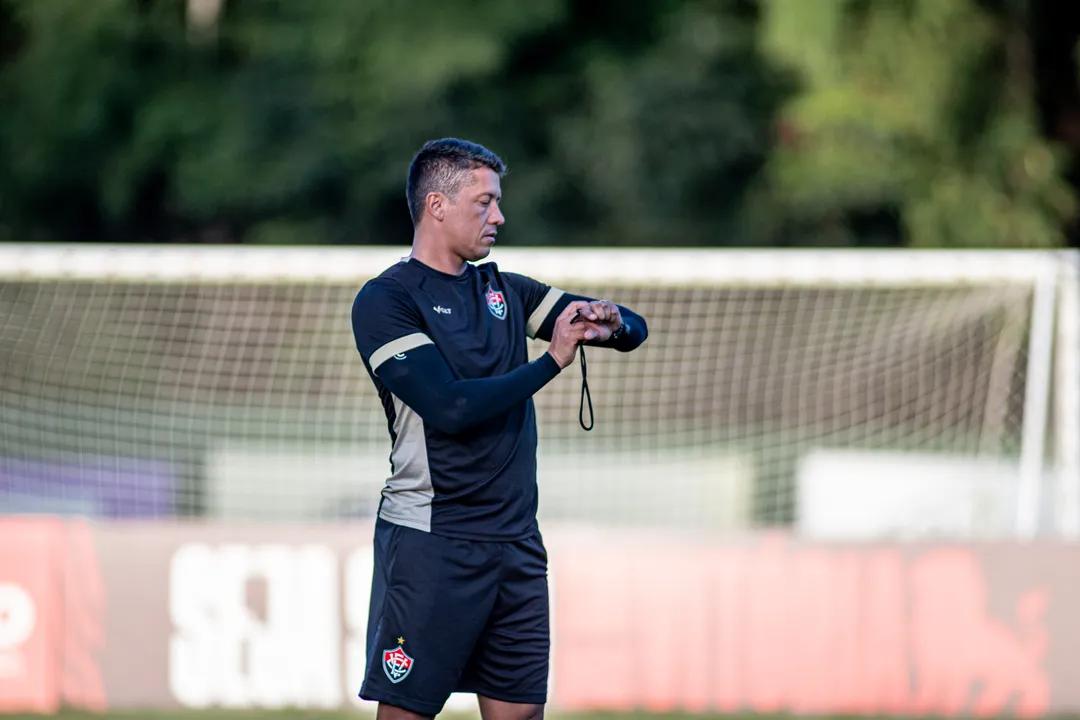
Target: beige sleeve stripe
point(542, 311)
point(396, 347)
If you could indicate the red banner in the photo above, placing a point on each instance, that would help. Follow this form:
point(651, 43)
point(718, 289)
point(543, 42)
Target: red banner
point(30, 614)
point(201, 615)
point(774, 627)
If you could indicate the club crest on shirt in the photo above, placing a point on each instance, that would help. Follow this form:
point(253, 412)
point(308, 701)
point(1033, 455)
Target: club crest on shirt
point(496, 302)
point(396, 664)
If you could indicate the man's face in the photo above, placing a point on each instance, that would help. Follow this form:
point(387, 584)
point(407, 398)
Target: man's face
point(472, 220)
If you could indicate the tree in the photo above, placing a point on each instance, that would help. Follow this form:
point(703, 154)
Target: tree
point(279, 126)
point(294, 122)
point(918, 113)
point(631, 128)
point(684, 122)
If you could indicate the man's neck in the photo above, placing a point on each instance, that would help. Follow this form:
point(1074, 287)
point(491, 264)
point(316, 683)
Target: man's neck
point(434, 254)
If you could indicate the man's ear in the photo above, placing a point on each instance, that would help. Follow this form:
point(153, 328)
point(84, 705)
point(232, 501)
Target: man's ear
point(435, 203)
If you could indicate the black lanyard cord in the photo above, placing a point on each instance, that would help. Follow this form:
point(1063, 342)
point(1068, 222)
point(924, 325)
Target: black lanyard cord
point(585, 395)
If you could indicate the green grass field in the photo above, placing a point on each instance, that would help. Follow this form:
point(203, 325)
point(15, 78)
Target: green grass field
point(314, 715)
point(305, 715)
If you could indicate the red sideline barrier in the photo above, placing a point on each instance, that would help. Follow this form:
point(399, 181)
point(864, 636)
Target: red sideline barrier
point(30, 614)
point(775, 626)
point(199, 615)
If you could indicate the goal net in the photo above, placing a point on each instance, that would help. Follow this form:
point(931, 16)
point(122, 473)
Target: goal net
point(845, 394)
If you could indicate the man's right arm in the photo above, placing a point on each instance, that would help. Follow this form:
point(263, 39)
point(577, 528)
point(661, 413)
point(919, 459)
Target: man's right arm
point(390, 338)
point(424, 382)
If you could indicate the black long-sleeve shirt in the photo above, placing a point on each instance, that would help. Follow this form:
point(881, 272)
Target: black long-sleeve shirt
point(448, 357)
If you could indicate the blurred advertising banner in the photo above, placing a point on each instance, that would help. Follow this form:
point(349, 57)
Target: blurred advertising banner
point(140, 615)
point(30, 623)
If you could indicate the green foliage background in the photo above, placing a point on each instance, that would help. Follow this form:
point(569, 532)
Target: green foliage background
point(667, 122)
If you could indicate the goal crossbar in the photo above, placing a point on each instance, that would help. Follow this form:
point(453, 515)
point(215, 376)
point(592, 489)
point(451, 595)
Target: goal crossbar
point(615, 267)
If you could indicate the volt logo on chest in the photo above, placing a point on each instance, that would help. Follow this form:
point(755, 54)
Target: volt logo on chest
point(441, 310)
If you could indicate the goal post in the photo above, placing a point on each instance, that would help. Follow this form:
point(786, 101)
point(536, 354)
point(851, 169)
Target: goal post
point(845, 393)
point(1067, 398)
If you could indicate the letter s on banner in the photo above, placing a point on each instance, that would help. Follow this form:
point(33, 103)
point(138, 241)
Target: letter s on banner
point(283, 651)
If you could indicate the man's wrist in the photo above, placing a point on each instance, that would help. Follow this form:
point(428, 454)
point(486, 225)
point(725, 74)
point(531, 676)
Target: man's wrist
point(548, 360)
point(620, 331)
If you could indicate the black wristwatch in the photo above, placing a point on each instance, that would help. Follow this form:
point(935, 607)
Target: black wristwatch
point(623, 329)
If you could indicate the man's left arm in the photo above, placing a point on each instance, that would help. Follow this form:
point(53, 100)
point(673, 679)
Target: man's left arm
point(620, 328)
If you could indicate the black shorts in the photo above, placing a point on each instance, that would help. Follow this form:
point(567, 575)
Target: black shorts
point(450, 615)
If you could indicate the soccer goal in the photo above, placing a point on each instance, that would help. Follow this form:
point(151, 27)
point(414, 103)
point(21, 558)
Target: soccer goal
point(839, 393)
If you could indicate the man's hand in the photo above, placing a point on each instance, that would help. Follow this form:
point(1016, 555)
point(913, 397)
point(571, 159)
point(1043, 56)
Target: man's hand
point(567, 335)
point(602, 316)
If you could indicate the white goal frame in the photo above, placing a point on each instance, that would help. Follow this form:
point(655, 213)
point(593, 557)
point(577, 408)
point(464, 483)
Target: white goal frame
point(1054, 276)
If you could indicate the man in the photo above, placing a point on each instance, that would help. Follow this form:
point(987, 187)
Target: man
point(459, 599)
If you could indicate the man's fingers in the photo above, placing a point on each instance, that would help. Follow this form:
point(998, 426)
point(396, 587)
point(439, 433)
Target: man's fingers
point(583, 331)
point(607, 313)
point(602, 311)
point(599, 331)
point(570, 310)
point(597, 311)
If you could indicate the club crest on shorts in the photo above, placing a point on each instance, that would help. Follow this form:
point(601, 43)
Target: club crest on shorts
point(496, 302)
point(396, 664)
